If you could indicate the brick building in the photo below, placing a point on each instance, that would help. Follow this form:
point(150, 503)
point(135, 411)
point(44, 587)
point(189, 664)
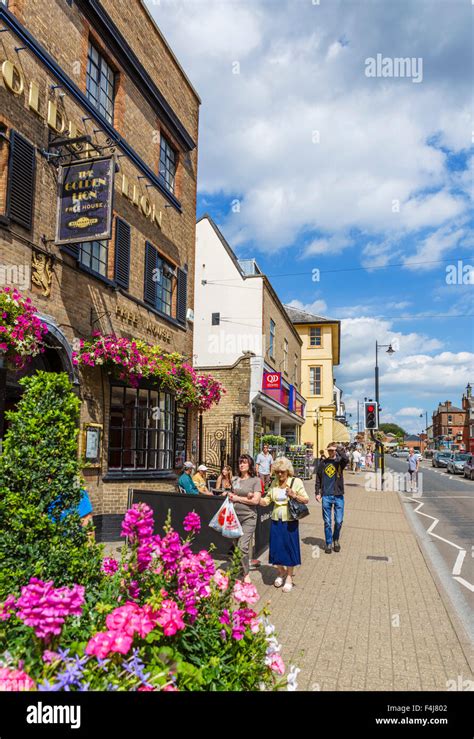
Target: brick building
point(102, 70)
point(242, 334)
point(468, 407)
point(448, 426)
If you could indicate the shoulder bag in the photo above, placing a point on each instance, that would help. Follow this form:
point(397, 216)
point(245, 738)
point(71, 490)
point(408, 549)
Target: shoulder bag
point(296, 510)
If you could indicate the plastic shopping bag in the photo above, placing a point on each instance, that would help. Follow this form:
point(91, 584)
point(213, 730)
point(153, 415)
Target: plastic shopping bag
point(226, 522)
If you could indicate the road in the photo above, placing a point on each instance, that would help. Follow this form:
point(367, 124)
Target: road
point(445, 510)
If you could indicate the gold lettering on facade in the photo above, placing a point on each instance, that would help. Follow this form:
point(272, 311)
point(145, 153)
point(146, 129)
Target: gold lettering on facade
point(56, 119)
point(33, 97)
point(13, 77)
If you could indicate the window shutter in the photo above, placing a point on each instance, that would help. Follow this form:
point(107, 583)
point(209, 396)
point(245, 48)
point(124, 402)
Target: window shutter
point(21, 180)
point(151, 263)
point(122, 253)
point(182, 295)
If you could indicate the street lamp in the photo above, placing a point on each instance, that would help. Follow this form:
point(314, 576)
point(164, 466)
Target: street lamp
point(426, 425)
point(390, 351)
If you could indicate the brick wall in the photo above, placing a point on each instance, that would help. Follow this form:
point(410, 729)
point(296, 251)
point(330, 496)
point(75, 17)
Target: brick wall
point(80, 303)
point(272, 309)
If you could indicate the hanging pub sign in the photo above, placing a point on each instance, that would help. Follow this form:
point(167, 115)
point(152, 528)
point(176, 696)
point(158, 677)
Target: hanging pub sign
point(85, 201)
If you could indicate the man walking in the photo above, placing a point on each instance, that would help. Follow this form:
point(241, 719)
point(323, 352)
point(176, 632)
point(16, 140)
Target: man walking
point(357, 460)
point(330, 489)
point(263, 465)
point(413, 467)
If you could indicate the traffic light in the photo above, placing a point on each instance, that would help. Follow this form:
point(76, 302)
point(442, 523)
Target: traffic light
point(371, 416)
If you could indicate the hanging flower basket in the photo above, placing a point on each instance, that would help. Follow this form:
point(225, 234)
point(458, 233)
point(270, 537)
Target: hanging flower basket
point(132, 361)
point(21, 331)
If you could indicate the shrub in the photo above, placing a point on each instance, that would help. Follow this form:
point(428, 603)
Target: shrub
point(165, 619)
point(39, 481)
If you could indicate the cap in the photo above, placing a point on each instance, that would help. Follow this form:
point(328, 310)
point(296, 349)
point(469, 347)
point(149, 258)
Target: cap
point(188, 466)
point(202, 468)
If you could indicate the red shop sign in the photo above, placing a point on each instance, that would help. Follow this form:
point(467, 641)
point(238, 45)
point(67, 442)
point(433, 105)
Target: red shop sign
point(271, 380)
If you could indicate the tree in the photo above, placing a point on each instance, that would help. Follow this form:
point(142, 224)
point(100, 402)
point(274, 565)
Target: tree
point(392, 428)
point(40, 488)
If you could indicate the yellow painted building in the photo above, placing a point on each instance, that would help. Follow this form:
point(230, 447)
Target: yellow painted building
point(320, 352)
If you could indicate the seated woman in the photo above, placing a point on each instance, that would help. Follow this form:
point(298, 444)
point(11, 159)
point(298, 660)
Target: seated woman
point(224, 481)
point(285, 551)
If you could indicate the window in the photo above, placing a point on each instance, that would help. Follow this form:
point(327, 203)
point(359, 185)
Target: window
point(285, 355)
point(164, 286)
point(272, 337)
point(93, 254)
point(141, 431)
point(315, 336)
point(167, 164)
point(315, 380)
point(450, 419)
point(100, 83)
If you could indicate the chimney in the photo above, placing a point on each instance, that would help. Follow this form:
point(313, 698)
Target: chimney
point(448, 404)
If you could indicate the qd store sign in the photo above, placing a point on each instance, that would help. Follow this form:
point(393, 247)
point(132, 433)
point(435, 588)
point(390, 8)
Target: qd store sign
point(271, 380)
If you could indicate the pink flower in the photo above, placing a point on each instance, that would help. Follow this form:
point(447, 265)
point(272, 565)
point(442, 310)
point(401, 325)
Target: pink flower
point(275, 663)
point(221, 580)
point(192, 522)
point(15, 680)
point(109, 566)
point(170, 618)
point(101, 644)
point(46, 608)
point(245, 593)
point(138, 522)
point(7, 608)
point(170, 689)
point(50, 656)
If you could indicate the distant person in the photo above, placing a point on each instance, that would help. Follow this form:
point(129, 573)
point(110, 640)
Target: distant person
point(356, 459)
point(263, 465)
point(329, 489)
point(185, 481)
point(413, 467)
point(224, 481)
point(200, 480)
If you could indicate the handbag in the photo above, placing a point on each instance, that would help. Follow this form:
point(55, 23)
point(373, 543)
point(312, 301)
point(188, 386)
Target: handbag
point(296, 510)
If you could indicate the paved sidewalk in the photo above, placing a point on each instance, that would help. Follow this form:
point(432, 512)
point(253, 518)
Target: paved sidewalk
point(356, 624)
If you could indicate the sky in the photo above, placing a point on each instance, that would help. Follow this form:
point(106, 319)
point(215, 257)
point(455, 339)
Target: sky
point(346, 174)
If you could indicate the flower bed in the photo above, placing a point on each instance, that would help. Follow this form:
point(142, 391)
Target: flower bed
point(164, 619)
point(21, 331)
point(131, 361)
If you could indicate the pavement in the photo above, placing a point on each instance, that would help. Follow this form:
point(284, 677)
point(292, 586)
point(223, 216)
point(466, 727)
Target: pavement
point(351, 623)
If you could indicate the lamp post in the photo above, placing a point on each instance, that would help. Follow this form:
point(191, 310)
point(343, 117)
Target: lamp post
point(379, 458)
point(426, 427)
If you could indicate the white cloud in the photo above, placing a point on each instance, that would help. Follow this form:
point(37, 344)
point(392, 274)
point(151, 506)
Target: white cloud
point(304, 138)
point(409, 412)
point(318, 307)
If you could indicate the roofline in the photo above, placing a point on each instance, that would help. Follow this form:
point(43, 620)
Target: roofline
point(267, 282)
point(171, 52)
point(325, 322)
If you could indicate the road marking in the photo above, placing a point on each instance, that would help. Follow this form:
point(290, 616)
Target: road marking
point(465, 583)
point(458, 564)
point(457, 567)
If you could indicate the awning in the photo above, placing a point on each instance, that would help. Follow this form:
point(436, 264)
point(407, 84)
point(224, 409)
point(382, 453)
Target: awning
point(340, 433)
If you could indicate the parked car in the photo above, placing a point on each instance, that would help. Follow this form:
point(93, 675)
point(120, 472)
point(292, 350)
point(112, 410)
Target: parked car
point(456, 463)
point(440, 459)
point(400, 453)
point(468, 470)
point(419, 456)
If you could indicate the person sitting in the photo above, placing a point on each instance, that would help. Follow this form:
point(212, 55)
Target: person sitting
point(224, 481)
point(186, 482)
point(200, 480)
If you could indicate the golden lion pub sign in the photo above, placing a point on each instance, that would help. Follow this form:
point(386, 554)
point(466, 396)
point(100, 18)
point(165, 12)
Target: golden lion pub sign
point(85, 201)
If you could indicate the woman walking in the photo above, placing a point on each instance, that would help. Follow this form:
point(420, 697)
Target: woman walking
point(224, 481)
point(246, 494)
point(285, 551)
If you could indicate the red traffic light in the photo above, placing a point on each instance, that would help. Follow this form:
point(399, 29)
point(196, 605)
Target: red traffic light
point(371, 408)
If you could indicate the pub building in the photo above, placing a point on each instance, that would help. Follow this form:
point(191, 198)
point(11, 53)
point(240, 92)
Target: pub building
point(98, 141)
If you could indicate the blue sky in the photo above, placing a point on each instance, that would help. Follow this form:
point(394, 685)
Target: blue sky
point(307, 163)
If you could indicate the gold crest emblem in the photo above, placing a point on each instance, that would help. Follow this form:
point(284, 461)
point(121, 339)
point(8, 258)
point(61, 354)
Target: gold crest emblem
point(83, 222)
point(330, 470)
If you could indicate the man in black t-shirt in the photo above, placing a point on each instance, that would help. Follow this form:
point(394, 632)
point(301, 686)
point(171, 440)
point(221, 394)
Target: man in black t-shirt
point(329, 489)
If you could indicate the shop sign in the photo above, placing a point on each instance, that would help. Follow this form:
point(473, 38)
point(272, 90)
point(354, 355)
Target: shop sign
point(271, 380)
point(85, 193)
